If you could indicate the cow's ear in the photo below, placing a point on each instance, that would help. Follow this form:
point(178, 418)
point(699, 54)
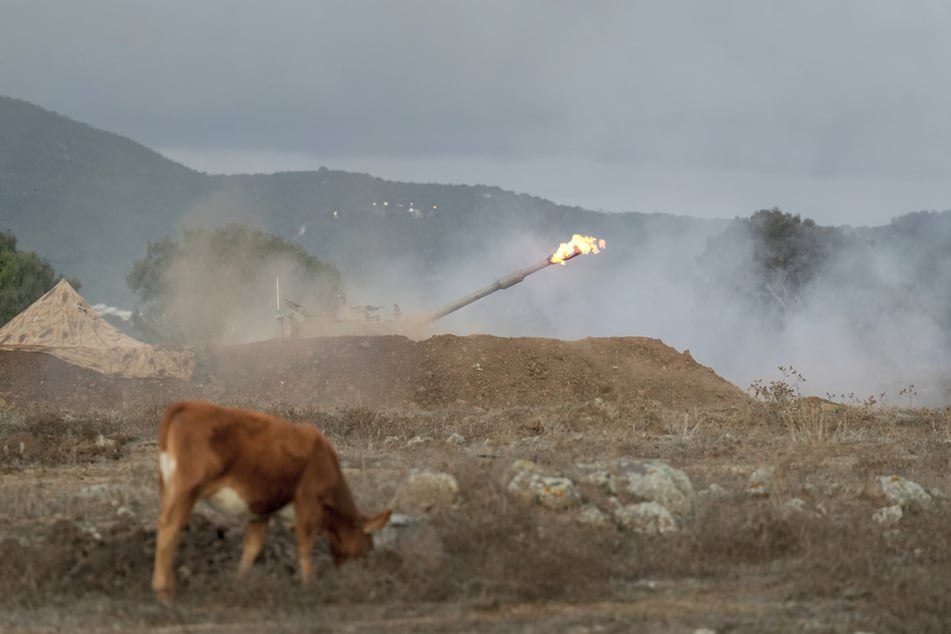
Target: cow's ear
point(376, 522)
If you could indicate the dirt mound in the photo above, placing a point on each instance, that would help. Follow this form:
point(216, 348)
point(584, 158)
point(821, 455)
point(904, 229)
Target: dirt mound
point(29, 379)
point(393, 371)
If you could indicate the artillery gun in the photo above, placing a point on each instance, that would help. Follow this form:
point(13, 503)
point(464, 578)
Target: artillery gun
point(365, 319)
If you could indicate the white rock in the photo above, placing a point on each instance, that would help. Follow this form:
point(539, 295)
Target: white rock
point(888, 515)
point(904, 492)
point(525, 465)
point(555, 493)
point(125, 512)
point(530, 485)
point(593, 516)
point(649, 518)
point(106, 443)
point(792, 506)
point(604, 480)
point(88, 528)
point(425, 491)
point(656, 481)
point(761, 482)
point(388, 536)
point(715, 491)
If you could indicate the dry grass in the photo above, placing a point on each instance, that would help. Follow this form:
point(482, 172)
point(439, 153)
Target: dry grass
point(829, 565)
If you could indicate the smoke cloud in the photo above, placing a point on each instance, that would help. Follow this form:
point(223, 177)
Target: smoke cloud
point(871, 323)
point(874, 320)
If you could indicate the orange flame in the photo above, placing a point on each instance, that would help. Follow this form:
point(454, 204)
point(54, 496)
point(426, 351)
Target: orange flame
point(579, 245)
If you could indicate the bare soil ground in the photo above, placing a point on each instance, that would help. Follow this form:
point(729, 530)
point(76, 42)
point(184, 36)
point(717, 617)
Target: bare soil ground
point(78, 499)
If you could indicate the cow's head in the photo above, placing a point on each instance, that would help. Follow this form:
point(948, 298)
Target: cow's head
point(354, 539)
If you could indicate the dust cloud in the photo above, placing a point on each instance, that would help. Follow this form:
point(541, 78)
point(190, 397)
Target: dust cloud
point(873, 321)
point(227, 289)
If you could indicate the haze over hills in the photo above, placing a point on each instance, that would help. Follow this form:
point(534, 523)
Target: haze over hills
point(89, 201)
point(874, 315)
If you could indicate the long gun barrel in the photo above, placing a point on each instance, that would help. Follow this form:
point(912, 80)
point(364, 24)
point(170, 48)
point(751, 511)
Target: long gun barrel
point(505, 281)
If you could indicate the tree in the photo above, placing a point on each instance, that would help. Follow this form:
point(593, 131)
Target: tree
point(218, 285)
point(770, 257)
point(24, 278)
point(788, 253)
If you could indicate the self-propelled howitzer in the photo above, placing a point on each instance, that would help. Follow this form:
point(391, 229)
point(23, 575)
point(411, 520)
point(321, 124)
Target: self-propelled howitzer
point(299, 323)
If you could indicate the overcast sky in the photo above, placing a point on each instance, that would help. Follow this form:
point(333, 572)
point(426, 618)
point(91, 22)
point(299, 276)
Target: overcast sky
point(836, 110)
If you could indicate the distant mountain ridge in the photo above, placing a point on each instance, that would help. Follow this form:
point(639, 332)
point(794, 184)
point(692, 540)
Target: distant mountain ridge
point(89, 201)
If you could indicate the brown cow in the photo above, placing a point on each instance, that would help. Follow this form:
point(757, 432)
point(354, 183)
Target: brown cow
point(255, 466)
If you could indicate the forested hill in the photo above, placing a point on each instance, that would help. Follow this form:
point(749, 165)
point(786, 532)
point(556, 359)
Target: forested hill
point(89, 201)
point(85, 199)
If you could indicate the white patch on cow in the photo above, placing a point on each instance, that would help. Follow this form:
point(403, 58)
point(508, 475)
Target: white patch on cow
point(227, 501)
point(287, 514)
point(166, 467)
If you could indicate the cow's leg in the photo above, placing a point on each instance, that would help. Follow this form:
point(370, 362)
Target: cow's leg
point(305, 532)
point(254, 536)
point(161, 489)
point(176, 506)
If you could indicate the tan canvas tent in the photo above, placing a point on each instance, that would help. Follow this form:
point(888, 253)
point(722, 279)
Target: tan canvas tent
point(63, 324)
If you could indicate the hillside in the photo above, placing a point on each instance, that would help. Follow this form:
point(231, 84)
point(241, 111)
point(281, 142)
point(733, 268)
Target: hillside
point(85, 199)
point(89, 201)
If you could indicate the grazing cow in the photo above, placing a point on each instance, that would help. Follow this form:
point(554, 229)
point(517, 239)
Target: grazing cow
point(255, 466)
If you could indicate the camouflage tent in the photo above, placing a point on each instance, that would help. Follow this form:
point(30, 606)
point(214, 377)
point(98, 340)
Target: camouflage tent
point(63, 324)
